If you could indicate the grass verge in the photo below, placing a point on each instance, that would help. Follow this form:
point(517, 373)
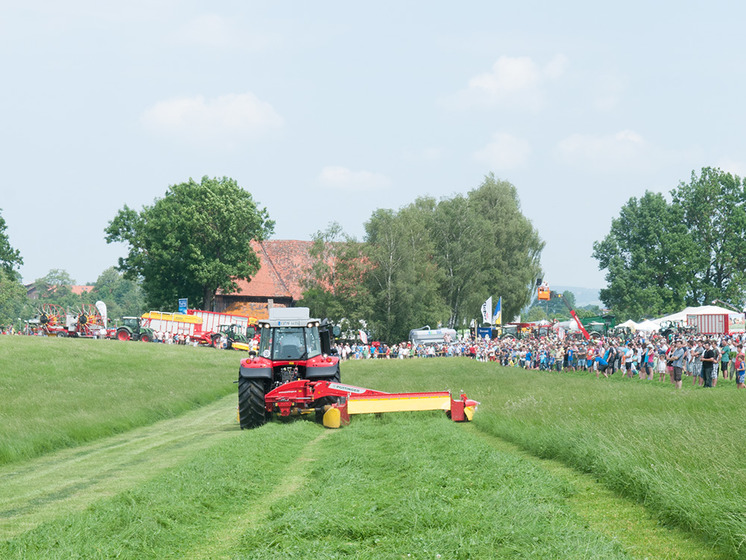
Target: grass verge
point(60, 393)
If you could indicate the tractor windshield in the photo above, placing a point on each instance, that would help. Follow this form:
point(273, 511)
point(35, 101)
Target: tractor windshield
point(290, 343)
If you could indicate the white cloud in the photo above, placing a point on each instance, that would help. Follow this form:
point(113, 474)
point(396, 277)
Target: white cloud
point(514, 81)
point(504, 152)
point(227, 118)
point(341, 178)
point(625, 150)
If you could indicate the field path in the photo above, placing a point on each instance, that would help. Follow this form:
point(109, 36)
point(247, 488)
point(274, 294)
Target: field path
point(223, 543)
point(69, 480)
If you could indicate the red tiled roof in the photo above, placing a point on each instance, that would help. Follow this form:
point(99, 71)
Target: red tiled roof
point(283, 265)
point(78, 290)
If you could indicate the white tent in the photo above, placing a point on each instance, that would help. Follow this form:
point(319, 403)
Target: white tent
point(630, 324)
point(648, 326)
point(570, 325)
point(701, 310)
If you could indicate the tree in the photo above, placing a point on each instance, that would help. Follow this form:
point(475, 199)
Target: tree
point(122, 297)
point(714, 210)
point(457, 237)
point(509, 247)
point(191, 243)
point(334, 287)
point(12, 292)
point(56, 287)
point(403, 276)
point(646, 255)
point(12, 298)
point(663, 256)
point(10, 258)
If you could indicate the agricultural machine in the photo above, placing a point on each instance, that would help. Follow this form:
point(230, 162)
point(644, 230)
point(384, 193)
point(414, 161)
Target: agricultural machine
point(88, 321)
point(133, 328)
point(202, 327)
point(236, 336)
point(296, 373)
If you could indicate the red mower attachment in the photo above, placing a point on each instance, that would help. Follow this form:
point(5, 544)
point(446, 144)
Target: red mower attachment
point(336, 402)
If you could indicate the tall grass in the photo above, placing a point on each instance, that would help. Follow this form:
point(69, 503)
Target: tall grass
point(58, 393)
point(680, 453)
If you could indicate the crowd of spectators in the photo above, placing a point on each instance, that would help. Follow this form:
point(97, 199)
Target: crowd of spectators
point(644, 356)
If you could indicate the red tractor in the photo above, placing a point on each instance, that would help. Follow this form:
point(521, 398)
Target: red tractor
point(292, 347)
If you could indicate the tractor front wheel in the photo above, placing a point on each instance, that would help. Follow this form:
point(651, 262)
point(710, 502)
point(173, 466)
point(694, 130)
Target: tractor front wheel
point(252, 412)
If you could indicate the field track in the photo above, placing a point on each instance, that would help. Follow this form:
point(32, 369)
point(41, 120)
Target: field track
point(40, 489)
point(65, 482)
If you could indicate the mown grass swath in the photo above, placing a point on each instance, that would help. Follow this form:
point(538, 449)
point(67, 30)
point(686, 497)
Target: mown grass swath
point(402, 486)
point(62, 392)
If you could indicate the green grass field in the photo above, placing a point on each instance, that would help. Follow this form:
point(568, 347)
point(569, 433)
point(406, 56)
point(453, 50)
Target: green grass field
point(63, 392)
point(555, 465)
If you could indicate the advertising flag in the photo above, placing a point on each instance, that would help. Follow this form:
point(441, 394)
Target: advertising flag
point(497, 317)
point(486, 308)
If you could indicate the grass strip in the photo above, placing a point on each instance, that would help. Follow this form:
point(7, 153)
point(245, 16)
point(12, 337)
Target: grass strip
point(679, 453)
point(176, 511)
point(59, 393)
point(416, 485)
point(69, 480)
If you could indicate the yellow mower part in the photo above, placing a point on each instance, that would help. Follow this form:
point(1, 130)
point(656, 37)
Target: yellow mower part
point(397, 404)
point(332, 418)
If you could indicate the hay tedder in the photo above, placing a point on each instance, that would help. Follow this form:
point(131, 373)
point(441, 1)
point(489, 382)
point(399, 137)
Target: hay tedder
point(87, 321)
point(295, 373)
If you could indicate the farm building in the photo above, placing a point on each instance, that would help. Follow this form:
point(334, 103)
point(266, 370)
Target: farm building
point(278, 283)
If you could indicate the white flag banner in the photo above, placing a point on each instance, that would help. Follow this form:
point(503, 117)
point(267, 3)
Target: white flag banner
point(487, 311)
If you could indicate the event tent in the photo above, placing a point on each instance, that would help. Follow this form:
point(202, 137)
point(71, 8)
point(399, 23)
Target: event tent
point(701, 310)
point(648, 326)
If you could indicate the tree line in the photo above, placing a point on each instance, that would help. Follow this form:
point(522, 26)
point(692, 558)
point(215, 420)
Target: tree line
point(431, 262)
point(428, 263)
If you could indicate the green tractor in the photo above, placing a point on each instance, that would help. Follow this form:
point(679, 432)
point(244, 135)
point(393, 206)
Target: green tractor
point(133, 329)
point(234, 334)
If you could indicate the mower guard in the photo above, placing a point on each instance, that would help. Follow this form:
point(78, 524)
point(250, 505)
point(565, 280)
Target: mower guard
point(342, 401)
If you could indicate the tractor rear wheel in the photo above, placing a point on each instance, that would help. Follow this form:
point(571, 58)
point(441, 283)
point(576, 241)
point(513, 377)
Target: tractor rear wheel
point(252, 412)
point(123, 334)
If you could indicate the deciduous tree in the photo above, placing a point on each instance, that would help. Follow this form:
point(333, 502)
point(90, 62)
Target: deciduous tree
point(191, 243)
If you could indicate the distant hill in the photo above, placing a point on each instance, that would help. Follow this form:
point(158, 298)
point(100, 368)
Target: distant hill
point(583, 296)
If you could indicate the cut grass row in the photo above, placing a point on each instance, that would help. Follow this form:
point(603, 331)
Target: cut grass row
point(379, 489)
point(63, 392)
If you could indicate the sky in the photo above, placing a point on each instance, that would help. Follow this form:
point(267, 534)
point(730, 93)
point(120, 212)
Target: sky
point(325, 111)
